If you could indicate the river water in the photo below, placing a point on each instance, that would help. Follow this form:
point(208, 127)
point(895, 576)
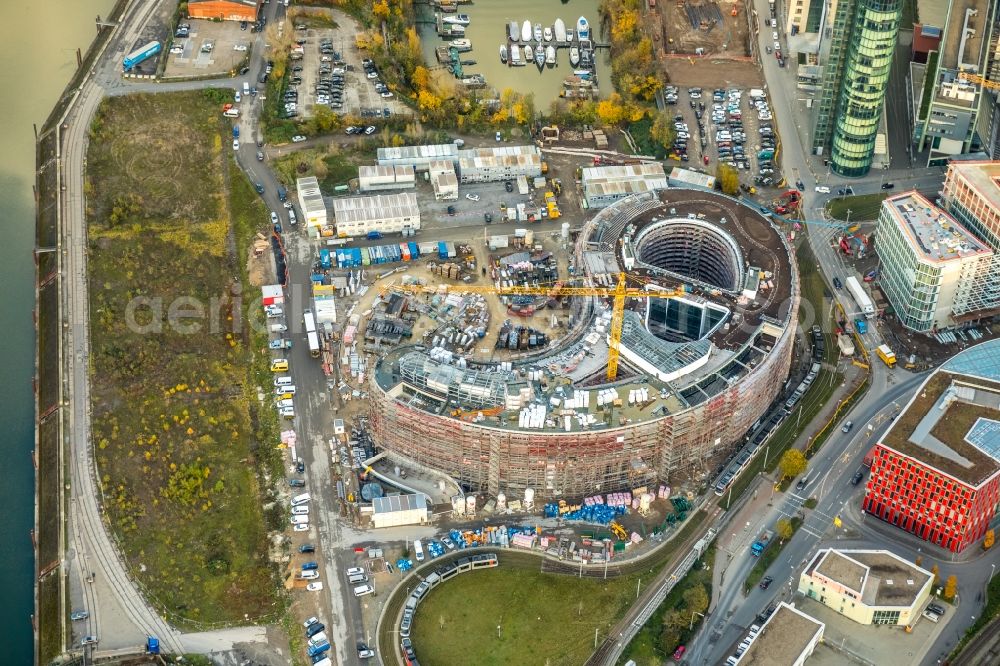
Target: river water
point(488, 30)
point(38, 42)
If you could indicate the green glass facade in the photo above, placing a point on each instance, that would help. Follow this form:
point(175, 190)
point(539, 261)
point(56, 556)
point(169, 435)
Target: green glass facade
point(855, 81)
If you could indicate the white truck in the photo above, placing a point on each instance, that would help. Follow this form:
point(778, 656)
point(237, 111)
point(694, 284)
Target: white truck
point(860, 297)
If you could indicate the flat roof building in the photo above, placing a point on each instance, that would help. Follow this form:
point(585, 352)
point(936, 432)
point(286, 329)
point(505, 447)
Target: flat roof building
point(484, 165)
point(686, 177)
point(313, 206)
point(443, 180)
point(867, 586)
point(934, 270)
point(384, 213)
point(226, 10)
point(396, 510)
point(377, 178)
point(419, 157)
point(936, 472)
point(603, 185)
point(788, 638)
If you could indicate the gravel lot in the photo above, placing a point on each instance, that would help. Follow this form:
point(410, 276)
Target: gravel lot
point(223, 58)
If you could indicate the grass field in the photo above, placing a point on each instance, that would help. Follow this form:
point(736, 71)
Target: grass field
point(543, 618)
point(331, 169)
point(174, 425)
point(862, 207)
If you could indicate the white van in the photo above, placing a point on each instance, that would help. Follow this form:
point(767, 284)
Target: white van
point(231, 112)
point(301, 510)
point(246, 88)
point(418, 549)
point(283, 381)
point(362, 590)
point(301, 499)
point(300, 520)
point(357, 579)
point(355, 571)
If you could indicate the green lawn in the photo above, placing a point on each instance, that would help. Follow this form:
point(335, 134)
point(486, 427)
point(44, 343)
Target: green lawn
point(180, 448)
point(543, 618)
point(862, 206)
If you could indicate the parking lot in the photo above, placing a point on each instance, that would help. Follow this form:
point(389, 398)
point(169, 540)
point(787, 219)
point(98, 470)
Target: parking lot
point(724, 126)
point(329, 56)
point(211, 48)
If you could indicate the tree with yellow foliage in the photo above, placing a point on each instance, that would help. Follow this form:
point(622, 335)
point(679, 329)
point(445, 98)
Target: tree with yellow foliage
point(428, 101)
point(421, 78)
point(611, 111)
point(380, 8)
point(988, 539)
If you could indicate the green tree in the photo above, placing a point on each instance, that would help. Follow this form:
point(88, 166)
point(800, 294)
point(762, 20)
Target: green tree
point(695, 600)
point(793, 463)
point(729, 179)
point(784, 529)
point(662, 131)
point(670, 632)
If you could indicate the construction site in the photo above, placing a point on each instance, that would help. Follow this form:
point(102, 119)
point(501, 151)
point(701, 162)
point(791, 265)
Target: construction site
point(699, 27)
point(637, 354)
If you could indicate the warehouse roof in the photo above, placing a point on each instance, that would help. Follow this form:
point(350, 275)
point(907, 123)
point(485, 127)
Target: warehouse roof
point(310, 196)
point(395, 503)
point(784, 638)
point(378, 207)
point(689, 177)
point(448, 151)
point(623, 180)
point(878, 576)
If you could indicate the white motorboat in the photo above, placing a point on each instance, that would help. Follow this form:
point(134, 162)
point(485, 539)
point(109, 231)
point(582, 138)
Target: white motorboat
point(529, 53)
point(512, 31)
point(515, 56)
point(569, 34)
point(582, 28)
point(503, 53)
point(462, 44)
point(457, 19)
point(454, 30)
point(526, 31)
point(574, 56)
point(539, 56)
point(560, 29)
point(550, 55)
point(547, 34)
point(538, 32)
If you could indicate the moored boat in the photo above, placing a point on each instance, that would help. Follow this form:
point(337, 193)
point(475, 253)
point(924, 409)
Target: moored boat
point(574, 56)
point(457, 19)
point(512, 31)
point(560, 29)
point(538, 32)
point(550, 55)
point(503, 53)
point(539, 56)
point(569, 34)
point(462, 45)
point(515, 56)
point(547, 34)
point(526, 31)
point(529, 53)
point(582, 28)
point(453, 30)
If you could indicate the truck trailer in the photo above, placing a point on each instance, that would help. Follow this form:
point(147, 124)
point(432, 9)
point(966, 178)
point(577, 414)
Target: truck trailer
point(762, 543)
point(860, 297)
point(141, 54)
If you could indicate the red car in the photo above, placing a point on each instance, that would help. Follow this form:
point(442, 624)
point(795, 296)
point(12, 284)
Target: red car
point(777, 55)
point(679, 652)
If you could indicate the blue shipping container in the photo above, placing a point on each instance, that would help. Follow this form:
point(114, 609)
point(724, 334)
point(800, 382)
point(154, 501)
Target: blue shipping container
point(442, 250)
point(414, 250)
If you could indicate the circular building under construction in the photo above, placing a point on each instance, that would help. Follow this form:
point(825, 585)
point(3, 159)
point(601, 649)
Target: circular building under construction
point(706, 344)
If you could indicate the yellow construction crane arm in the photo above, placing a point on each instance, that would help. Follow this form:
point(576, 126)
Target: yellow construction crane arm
point(983, 81)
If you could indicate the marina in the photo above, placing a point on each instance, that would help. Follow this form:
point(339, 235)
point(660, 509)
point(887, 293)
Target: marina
point(535, 36)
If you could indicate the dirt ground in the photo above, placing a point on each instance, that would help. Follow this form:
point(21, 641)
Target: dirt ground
point(670, 26)
point(721, 72)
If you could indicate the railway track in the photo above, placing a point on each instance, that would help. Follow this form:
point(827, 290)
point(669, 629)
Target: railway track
point(984, 648)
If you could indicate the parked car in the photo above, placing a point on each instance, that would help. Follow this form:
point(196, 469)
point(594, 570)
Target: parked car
point(298, 138)
point(837, 283)
point(307, 548)
point(802, 483)
point(472, 197)
point(822, 189)
point(296, 483)
point(888, 186)
point(310, 622)
point(315, 629)
point(847, 426)
point(76, 616)
point(856, 479)
point(766, 582)
point(370, 129)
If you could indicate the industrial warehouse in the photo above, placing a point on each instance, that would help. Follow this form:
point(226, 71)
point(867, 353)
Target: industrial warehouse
point(705, 348)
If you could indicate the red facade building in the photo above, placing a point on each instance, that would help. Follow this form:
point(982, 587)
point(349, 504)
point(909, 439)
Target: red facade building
point(935, 473)
point(937, 507)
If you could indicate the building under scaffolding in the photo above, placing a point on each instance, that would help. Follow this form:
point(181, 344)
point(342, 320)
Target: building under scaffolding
point(546, 422)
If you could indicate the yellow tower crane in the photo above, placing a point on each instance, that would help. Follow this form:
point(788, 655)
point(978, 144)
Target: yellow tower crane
point(618, 295)
point(981, 80)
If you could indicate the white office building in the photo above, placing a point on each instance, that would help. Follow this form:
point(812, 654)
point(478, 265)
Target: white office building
point(933, 269)
point(443, 180)
point(485, 165)
point(384, 213)
point(313, 206)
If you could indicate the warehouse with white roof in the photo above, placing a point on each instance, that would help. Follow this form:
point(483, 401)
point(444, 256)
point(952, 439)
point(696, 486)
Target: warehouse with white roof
point(396, 510)
point(484, 165)
point(313, 206)
point(384, 213)
point(604, 185)
point(376, 178)
point(419, 157)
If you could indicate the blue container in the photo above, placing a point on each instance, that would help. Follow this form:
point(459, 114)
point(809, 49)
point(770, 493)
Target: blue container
point(414, 250)
point(442, 250)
